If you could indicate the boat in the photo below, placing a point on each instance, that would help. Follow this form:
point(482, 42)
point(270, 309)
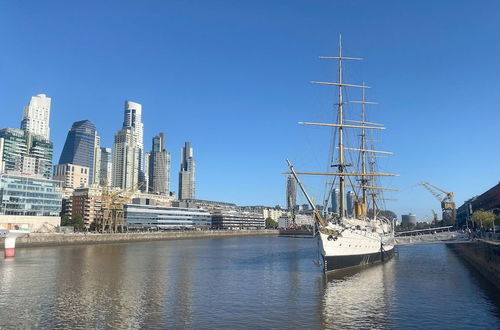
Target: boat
point(359, 237)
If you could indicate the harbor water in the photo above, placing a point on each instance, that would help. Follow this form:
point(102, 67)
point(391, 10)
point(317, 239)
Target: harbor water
point(236, 283)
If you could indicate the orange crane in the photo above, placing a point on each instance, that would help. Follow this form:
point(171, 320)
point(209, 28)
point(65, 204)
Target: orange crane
point(447, 202)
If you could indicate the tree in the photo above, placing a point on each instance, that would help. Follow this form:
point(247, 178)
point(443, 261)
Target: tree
point(270, 223)
point(483, 218)
point(77, 221)
point(65, 221)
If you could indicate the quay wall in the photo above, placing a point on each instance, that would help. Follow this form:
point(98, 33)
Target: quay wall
point(484, 256)
point(56, 239)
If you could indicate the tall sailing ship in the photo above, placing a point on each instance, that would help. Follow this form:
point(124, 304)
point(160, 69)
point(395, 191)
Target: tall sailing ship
point(360, 237)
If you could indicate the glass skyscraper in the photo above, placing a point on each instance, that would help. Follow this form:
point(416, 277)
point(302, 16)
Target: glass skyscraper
point(157, 167)
point(80, 145)
point(187, 173)
point(25, 152)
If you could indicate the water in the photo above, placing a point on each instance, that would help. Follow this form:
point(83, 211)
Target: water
point(247, 282)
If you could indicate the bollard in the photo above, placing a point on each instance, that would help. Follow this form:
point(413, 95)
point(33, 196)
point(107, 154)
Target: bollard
point(10, 240)
point(10, 247)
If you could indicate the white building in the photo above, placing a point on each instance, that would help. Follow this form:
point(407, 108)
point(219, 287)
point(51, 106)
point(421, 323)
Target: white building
point(139, 216)
point(133, 119)
point(272, 213)
point(284, 221)
point(125, 160)
point(36, 116)
point(71, 176)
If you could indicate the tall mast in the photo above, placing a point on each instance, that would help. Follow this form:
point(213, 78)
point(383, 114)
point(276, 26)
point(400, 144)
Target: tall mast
point(341, 135)
point(363, 146)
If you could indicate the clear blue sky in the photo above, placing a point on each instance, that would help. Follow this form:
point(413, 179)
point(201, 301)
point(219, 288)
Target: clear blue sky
point(233, 78)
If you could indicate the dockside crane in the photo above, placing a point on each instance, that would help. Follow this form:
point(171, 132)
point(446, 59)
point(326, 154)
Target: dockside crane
point(447, 202)
point(112, 218)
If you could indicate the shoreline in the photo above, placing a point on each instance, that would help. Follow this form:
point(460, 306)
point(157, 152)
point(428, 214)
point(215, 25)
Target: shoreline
point(60, 239)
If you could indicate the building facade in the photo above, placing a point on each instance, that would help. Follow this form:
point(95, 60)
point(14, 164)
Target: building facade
point(71, 175)
point(133, 119)
point(291, 193)
point(87, 203)
point(487, 201)
point(29, 202)
point(25, 152)
point(187, 185)
point(228, 219)
point(335, 201)
point(350, 199)
point(140, 217)
point(106, 166)
point(36, 116)
point(80, 146)
point(157, 167)
point(408, 219)
point(125, 173)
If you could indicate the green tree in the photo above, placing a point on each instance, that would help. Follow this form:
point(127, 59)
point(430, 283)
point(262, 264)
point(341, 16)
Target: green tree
point(65, 221)
point(483, 218)
point(270, 223)
point(77, 221)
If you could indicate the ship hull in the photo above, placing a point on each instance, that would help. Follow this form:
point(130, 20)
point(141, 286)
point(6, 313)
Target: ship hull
point(332, 263)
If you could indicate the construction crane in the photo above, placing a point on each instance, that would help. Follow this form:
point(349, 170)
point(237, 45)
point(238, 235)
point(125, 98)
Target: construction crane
point(112, 218)
point(435, 219)
point(447, 203)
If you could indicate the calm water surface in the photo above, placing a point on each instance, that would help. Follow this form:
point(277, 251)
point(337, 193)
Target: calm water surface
point(231, 283)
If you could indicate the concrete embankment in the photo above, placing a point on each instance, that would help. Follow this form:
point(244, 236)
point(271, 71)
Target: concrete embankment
point(36, 239)
point(484, 256)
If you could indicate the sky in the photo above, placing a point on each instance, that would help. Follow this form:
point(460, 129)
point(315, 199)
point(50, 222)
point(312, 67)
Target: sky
point(233, 78)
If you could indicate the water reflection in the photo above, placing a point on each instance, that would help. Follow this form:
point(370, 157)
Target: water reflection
point(358, 298)
point(234, 283)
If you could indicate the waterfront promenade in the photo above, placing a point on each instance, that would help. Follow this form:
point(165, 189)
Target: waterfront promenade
point(53, 239)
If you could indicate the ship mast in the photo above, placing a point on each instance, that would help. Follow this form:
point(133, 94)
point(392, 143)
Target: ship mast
point(363, 147)
point(341, 164)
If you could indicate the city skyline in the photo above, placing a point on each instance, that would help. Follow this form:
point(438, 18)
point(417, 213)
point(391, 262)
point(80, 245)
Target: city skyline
point(188, 78)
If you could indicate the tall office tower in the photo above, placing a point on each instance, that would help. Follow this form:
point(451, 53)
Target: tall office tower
point(36, 116)
point(336, 201)
point(79, 148)
point(97, 161)
point(291, 193)
point(351, 198)
point(133, 119)
point(125, 160)
point(157, 167)
point(106, 166)
point(187, 173)
point(24, 152)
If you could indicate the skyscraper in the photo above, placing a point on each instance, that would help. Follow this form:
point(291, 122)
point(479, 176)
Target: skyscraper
point(106, 166)
point(37, 115)
point(351, 198)
point(96, 175)
point(25, 152)
point(29, 150)
point(157, 167)
point(133, 119)
point(187, 173)
point(291, 193)
point(80, 146)
point(336, 200)
point(125, 159)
